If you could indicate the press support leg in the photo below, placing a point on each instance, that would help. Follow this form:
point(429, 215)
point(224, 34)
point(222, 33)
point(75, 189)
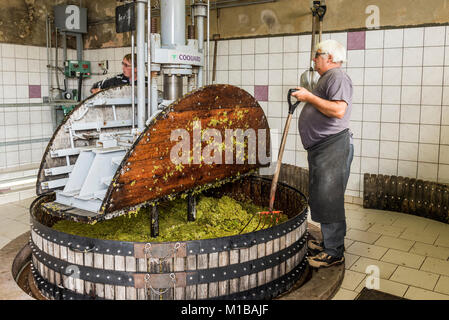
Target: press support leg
point(191, 208)
point(154, 212)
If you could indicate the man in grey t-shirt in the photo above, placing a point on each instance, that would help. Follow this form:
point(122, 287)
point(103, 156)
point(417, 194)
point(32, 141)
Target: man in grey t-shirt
point(324, 130)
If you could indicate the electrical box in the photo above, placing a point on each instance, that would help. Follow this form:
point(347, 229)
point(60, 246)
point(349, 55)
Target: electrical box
point(77, 69)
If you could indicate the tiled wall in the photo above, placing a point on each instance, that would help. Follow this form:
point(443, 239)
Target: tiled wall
point(24, 130)
point(400, 116)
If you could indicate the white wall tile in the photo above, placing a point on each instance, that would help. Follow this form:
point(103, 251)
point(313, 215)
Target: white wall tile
point(275, 109)
point(275, 93)
point(276, 44)
point(428, 152)
point(389, 131)
point(413, 37)
point(388, 167)
point(222, 63)
point(432, 76)
point(391, 95)
point(434, 36)
point(248, 77)
point(374, 39)
point(357, 112)
point(370, 130)
point(275, 61)
point(304, 43)
point(389, 150)
point(370, 148)
point(409, 132)
point(261, 45)
point(261, 77)
point(412, 76)
point(444, 154)
point(407, 168)
point(374, 58)
point(223, 48)
point(444, 135)
point(369, 165)
point(261, 62)
point(356, 129)
point(356, 75)
point(248, 46)
point(290, 60)
point(443, 173)
point(431, 95)
point(290, 78)
point(275, 77)
point(411, 95)
point(431, 115)
point(429, 134)
point(413, 57)
point(304, 60)
point(427, 171)
point(235, 47)
point(340, 37)
point(392, 76)
point(394, 38)
point(410, 113)
point(373, 76)
point(371, 112)
point(354, 182)
point(8, 50)
point(372, 94)
point(235, 63)
point(290, 44)
point(248, 62)
point(433, 56)
point(390, 113)
point(356, 59)
point(393, 57)
point(235, 78)
point(358, 94)
point(446, 96)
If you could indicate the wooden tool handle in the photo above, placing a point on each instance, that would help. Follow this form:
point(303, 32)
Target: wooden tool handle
point(279, 162)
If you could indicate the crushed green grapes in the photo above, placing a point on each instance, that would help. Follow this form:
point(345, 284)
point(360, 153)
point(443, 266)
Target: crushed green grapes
point(216, 217)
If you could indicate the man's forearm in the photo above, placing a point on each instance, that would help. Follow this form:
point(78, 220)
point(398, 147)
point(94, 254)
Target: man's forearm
point(331, 109)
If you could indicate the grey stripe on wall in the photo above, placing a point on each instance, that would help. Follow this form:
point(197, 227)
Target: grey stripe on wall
point(20, 142)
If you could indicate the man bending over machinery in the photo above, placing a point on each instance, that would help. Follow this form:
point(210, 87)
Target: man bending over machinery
point(120, 79)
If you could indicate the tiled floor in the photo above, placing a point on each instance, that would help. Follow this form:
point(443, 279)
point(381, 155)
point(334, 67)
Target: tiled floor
point(411, 253)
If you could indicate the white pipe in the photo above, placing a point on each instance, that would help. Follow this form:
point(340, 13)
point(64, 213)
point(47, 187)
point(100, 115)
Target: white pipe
point(154, 95)
point(173, 26)
point(149, 106)
point(199, 12)
point(208, 42)
point(133, 102)
point(140, 65)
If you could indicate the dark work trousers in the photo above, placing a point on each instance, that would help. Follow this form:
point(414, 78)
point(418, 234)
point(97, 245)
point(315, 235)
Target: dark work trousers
point(334, 233)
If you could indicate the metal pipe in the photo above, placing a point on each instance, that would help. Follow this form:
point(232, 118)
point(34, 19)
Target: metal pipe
point(49, 75)
point(140, 65)
point(64, 56)
point(56, 60)
point(200, 11)
point(149, 27)
point(154, 93)
point(173, 26)
point(172, 87)
point(208, 43)
point(133, 93)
